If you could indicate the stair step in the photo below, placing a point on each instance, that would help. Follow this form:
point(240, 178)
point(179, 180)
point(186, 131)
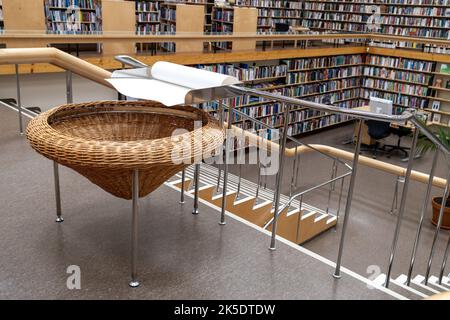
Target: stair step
point(401, 282)
point(419, 281)
point(332, 220)
point(435, 281)
point(398, 288)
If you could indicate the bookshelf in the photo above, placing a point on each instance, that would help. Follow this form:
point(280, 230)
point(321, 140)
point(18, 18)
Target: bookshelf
point(208, 15)
point(73, 16)
point(439, 106)
point(336, 82)
point(147, 16)
point(404, 81)
point(179, 18)
point(418, 18)
point(237, 20)
point(271, 12)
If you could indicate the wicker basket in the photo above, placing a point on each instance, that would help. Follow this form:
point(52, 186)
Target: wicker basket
point(105, 141)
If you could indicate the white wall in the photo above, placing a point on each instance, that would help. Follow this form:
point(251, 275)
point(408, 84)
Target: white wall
point(47, 90)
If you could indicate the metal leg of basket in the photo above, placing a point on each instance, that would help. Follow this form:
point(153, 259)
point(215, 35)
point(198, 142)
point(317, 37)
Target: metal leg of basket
point(196, 186)
point(59, 217)
point(134, 230)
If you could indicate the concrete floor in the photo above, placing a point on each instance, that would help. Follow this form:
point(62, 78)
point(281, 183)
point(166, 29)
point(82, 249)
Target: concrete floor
point(181, 256)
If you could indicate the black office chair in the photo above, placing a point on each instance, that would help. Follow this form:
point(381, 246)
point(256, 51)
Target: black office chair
point(378, 130)
point(400, 132)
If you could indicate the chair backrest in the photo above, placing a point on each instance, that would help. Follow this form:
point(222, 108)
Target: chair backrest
point(378, 129)
point(281, 27)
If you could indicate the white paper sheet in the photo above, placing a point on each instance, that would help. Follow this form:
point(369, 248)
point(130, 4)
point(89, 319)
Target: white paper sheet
point(189, 77)
point(151, 89)
point(166, 82)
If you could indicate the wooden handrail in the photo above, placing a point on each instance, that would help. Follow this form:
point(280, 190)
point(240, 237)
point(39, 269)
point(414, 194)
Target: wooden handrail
point(57, 58)
point(97, 74)
point(268, 145)
point(188, 36)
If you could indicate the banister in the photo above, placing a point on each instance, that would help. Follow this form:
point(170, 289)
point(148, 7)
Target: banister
point(97, 74)
point(57, 58)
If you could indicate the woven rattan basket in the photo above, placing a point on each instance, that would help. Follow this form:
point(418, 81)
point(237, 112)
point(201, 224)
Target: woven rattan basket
point(106, 141)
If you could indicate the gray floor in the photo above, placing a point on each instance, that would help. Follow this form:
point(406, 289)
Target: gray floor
point(181, 257)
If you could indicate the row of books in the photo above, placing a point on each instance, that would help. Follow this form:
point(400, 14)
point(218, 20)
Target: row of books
point(146, 6)
point(335, 16)
point(270, 4)
point(397, 98)
point(393, 74)
point(337, 6)
point(84, 4)
point(323, 74)
point(322, 62)
point(328, 25)
point(318, 88)
point(63, 16)
point(223, 15)
point(436, 12)
point(277, 13)
point(408, 31)
point(68, 28)
point(417, 22)
point(168, 13)
point(314, 124)
point(246, 72)
point(402, 63)
point(419, 2)
point(400, 87)
point(147, 17)
point(147, 28)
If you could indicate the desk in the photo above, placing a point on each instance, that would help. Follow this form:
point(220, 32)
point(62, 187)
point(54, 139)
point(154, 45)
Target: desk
point(365, 138)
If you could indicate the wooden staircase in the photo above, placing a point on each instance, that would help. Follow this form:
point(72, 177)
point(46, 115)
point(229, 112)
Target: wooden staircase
point(295, 225)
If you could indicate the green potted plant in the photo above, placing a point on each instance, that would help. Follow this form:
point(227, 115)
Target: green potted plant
point(424, 145)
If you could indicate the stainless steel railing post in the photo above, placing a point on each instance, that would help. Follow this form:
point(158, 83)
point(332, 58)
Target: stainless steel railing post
point(330, 191)
point(19, 99)
point(444, 261)
point(279, 179)
point(402, 208)
point(438, 227)
point(226, 164)
point(348, 205)
point(421, 219)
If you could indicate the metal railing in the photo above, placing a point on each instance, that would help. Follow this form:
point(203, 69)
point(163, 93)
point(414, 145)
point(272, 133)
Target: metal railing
point(85, 69)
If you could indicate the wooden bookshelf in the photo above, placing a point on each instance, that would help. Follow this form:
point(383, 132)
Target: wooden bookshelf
point(73, 16)
point(439, 106)
point(340, 88)
point(147, 16)
point(113, 22)
point(234, 20)
point(180, 18)
point(414, 18)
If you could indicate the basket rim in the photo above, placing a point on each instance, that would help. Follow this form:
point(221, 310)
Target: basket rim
point(78, 151)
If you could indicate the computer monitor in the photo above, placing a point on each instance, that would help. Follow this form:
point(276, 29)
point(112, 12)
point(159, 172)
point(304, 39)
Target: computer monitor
point(380, 106)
